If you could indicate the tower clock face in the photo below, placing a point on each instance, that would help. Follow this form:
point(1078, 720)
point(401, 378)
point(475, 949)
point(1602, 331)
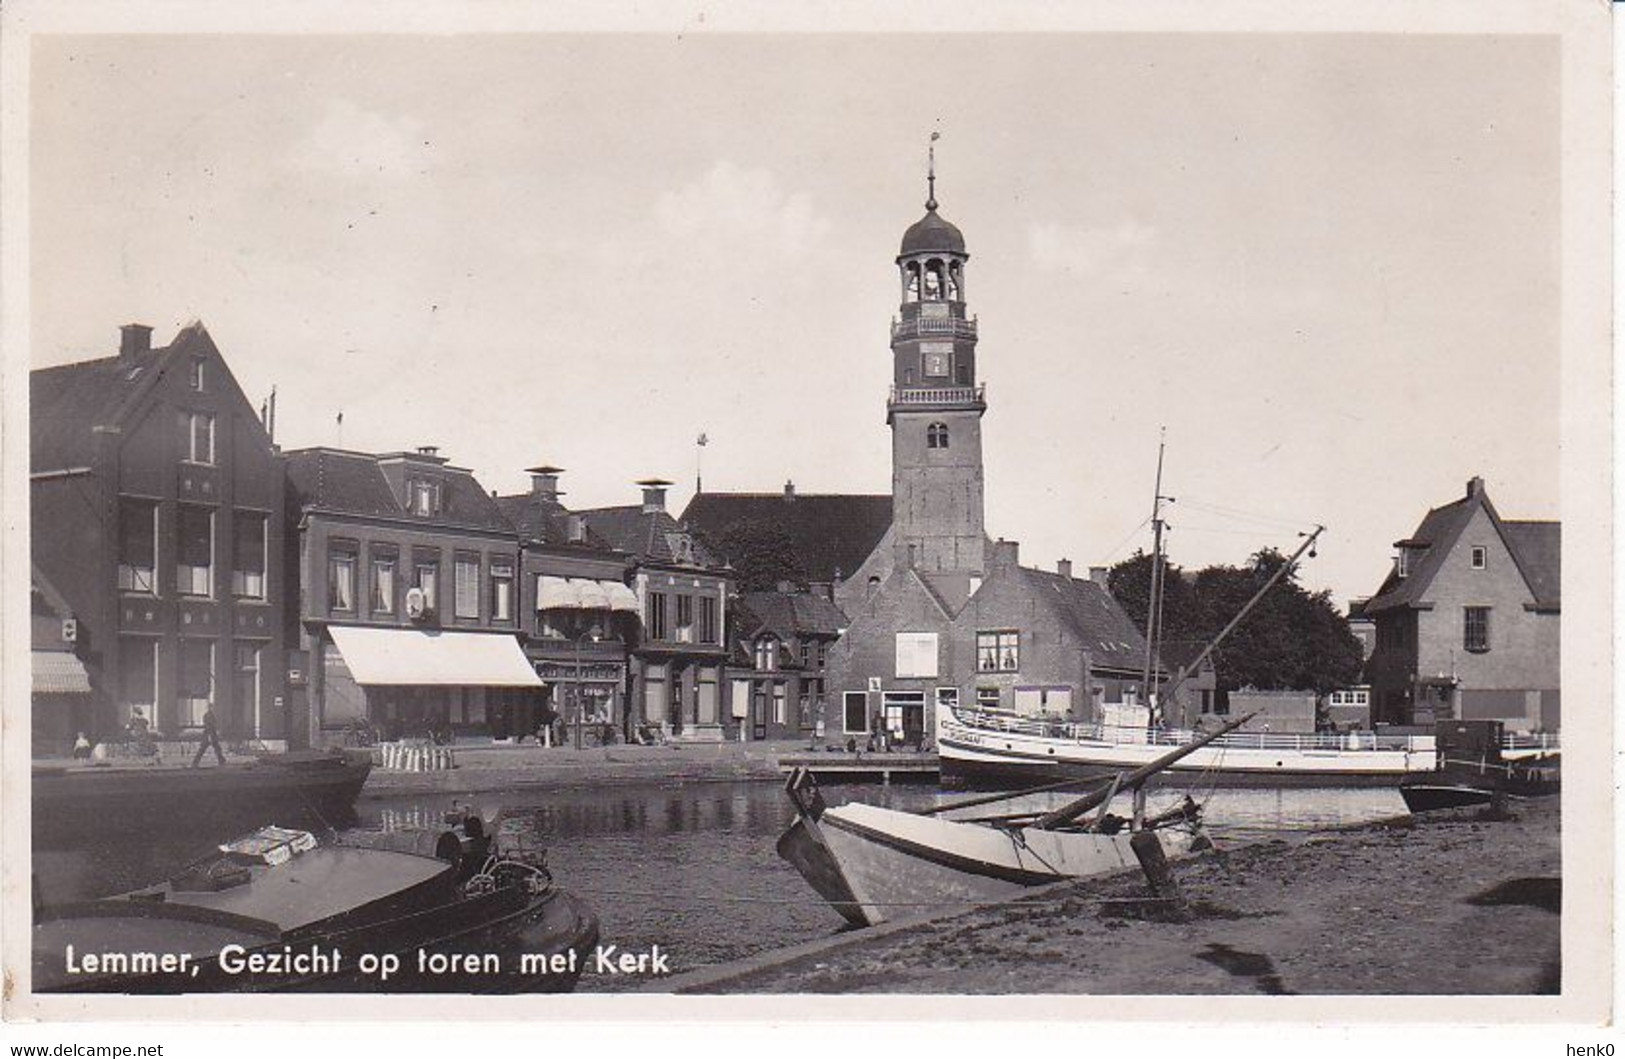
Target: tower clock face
point(936, 365)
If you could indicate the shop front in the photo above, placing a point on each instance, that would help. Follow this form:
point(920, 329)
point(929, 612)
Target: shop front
point(586, 697)
point(413, 683)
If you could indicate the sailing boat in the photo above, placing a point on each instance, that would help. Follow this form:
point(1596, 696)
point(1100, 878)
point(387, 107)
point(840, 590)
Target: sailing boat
point(869, 862)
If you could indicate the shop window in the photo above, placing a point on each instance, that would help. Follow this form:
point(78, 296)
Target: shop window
point(248, 555)
point(194, 542)
point(138, 677)
point(138, 545)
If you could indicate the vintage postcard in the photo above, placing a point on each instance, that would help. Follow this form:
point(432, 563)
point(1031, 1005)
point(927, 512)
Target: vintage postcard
point(723, 513)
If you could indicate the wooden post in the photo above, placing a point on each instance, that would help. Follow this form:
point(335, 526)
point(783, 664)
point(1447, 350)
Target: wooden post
point(1148, 848)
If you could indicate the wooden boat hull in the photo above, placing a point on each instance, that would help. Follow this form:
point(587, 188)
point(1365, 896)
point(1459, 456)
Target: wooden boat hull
point(69, 803)
point(1434, 797)
point(874, 864)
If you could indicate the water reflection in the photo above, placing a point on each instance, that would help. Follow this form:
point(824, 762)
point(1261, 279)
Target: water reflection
point(690, 867)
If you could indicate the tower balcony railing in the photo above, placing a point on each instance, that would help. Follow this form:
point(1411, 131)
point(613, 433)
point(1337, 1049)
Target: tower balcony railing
point(951, 326)
point(939, 395)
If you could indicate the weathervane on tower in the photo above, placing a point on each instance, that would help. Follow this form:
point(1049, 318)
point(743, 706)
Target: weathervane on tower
point(931, 170)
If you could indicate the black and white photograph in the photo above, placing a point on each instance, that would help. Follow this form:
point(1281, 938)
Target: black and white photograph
point(720, 513)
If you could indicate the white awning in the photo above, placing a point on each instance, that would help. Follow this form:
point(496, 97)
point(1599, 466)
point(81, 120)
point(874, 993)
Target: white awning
point(593, 596)
point(620, 597)
point(419, 656)
point(59, 673)
point(556, 593)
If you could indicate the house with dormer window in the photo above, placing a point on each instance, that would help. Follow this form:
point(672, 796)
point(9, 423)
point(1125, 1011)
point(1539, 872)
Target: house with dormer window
point(409, 603)
point(1467, 621)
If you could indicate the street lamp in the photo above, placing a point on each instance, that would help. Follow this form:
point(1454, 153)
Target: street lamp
point(594, 633)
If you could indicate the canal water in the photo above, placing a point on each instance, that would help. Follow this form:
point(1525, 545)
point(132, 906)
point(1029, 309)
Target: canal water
point(691, 867)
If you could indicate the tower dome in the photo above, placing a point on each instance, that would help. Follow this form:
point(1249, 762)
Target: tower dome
point(932, 232)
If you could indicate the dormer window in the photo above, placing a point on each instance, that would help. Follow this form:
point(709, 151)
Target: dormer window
point(1402, 563)
point(767, 654)
point(425, 497)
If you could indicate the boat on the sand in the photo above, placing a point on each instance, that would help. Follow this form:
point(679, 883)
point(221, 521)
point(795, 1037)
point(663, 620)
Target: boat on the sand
point(873, 864)
point(441, 910)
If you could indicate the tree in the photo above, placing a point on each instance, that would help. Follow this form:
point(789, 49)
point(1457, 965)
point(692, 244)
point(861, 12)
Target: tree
point(1292, 639)
point(762, 554)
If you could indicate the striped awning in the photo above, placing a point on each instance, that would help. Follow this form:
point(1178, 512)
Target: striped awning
point(581, 593)
point(59, 673)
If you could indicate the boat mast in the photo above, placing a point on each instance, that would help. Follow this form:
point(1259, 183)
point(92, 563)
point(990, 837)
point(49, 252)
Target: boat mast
point(1186, 670)
point(1153, 613)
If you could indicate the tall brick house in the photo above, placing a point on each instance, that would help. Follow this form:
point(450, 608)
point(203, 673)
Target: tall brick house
point(156, 505)
point(1467, 621)
point(939, 614)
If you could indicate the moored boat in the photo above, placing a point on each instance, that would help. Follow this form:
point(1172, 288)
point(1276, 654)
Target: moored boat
point(873, 864)
point(73, 800)
point(440, 911)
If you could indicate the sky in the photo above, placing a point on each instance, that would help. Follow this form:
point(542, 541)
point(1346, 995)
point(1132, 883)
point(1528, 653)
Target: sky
point(1326, 264)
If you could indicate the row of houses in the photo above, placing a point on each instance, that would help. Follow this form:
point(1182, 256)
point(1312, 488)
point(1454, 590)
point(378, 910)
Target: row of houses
point(183, 562)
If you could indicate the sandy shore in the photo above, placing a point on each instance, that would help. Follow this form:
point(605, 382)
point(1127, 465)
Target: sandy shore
point(1374, 910)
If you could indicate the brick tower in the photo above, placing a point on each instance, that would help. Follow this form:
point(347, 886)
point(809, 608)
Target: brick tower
point(936, 404)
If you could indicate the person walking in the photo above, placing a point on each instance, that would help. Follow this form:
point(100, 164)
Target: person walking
point(211, 737)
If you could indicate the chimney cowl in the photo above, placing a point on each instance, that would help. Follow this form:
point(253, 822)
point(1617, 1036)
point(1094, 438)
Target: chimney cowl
point(654, 495)
point(134, 340)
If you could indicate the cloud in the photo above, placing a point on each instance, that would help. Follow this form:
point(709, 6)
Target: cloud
point(742, 209)
point(1078, 249)
point(353, 142)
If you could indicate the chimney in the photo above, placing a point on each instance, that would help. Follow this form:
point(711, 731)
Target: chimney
point(654, 495)
point(431, 451)
point(134, 340)
point(822, 588)
point(1006, 553)
point(575, 530)
point(1064, 568)
point(1100, 575)
point(789, 490)
point(1475, 486)
point(544, 481)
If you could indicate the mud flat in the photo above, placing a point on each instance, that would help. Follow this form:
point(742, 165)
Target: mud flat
point(1461, 905)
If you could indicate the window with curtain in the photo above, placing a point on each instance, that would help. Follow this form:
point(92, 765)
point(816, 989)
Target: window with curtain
point(137, 545)
point(195, 689)
point(197, 437)
point(248, 553)
point(466, 583)
point(501, 590)
point(341, 579)
point(194, 543)
point(383, 584)
point(426, 576)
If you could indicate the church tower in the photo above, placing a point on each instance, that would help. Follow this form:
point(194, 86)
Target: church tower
point(936, 405)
